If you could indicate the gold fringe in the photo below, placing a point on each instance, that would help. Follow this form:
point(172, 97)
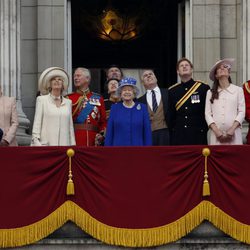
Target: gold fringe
point(123, 236)
point(206, 186)
point(21, 236)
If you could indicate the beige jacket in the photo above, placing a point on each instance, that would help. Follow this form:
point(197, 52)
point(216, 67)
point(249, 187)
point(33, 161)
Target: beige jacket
point(8, 119)
point(224, 111)
point(53, 126)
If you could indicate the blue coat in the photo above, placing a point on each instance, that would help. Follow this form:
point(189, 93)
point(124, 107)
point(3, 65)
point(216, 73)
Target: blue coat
point(128, 126)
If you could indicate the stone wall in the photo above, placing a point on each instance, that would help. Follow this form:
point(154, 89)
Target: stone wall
point(42, 45)
point(216, 35)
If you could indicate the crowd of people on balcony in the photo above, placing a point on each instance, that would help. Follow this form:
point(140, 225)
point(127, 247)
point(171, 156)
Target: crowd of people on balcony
point(187, 113)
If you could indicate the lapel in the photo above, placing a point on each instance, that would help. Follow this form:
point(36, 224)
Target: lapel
point(143, 99)
point(164, 98)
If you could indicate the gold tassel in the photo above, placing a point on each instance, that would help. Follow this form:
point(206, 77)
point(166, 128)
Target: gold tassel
point(206, 186)
point(70, 185)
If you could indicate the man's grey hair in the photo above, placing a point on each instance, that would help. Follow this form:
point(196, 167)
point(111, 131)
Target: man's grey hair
point(85, 71)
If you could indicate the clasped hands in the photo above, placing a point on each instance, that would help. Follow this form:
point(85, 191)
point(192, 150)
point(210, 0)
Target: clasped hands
point(225, 136)
point(4, 143)
point(99, 139)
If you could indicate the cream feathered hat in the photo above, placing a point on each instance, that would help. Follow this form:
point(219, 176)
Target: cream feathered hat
point(227, 61)
point(47, 75)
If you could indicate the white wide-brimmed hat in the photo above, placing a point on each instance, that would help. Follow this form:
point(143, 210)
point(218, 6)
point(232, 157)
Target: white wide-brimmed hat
point(128, 81)
point(47, 75)
point(227, 61)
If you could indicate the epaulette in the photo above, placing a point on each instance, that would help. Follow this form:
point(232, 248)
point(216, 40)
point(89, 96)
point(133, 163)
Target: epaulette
point(67, 96)
point(247, 82)
point(247, 87)
point(178, 83)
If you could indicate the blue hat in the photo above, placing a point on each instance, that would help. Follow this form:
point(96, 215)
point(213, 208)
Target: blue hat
point(128, 81)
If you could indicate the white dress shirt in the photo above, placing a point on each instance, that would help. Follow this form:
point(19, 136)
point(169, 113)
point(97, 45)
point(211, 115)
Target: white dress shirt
point(157, 95)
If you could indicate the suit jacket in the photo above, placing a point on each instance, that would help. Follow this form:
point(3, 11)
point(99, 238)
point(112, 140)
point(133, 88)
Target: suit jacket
point(164, 98)
point(8, 119)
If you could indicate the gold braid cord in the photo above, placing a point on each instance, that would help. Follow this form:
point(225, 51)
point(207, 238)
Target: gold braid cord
point(206, 186)
point(70, 184)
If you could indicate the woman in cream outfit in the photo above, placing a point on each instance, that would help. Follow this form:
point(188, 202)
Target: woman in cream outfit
point(53, 125)
point(225, 106)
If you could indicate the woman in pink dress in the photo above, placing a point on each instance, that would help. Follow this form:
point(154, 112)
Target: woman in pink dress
point(225, 106)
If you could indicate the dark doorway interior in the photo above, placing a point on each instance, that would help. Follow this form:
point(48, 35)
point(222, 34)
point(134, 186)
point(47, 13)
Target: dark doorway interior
point(155, 48)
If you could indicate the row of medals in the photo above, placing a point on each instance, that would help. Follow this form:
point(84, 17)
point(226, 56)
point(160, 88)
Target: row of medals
point(195, 99)
point(92, 101)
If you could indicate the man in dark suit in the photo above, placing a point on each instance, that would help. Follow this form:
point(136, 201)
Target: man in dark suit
point(187, 107)
point(157, 100)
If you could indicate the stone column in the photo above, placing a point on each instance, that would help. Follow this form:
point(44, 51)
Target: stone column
point(244, 11)
point(206, 36)
point(10, 61)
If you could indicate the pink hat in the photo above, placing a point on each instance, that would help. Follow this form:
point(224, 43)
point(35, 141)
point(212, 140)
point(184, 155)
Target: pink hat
point(227, 61)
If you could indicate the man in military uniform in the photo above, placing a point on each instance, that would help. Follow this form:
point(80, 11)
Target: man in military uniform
point(246, 89)
point(187, 107)
point(88, 111)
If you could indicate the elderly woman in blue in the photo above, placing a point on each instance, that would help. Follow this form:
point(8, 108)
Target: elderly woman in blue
point(128, 124)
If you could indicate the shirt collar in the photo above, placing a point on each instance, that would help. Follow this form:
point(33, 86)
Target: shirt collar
point(156, 89)
point(190, 82)
point(230, 89)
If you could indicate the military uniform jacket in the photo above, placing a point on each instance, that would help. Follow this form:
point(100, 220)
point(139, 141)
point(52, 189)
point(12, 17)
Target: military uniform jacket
point(97, 117)
point(188, 124)
point(246, 89)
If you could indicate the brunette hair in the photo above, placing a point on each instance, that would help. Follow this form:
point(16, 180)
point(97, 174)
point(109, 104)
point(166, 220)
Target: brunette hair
point(214, 90)
point(184, 59)
point(109, 80)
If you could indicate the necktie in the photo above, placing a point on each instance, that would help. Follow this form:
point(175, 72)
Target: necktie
point(154, 102)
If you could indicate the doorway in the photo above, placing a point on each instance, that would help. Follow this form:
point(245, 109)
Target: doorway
point(156, 47)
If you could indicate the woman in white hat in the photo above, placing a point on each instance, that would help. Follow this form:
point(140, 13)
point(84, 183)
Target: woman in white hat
point(53, 124)
point(129, 123)
point(225, 106)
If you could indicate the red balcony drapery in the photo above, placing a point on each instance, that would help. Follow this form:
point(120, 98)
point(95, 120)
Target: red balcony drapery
point(130, 196)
